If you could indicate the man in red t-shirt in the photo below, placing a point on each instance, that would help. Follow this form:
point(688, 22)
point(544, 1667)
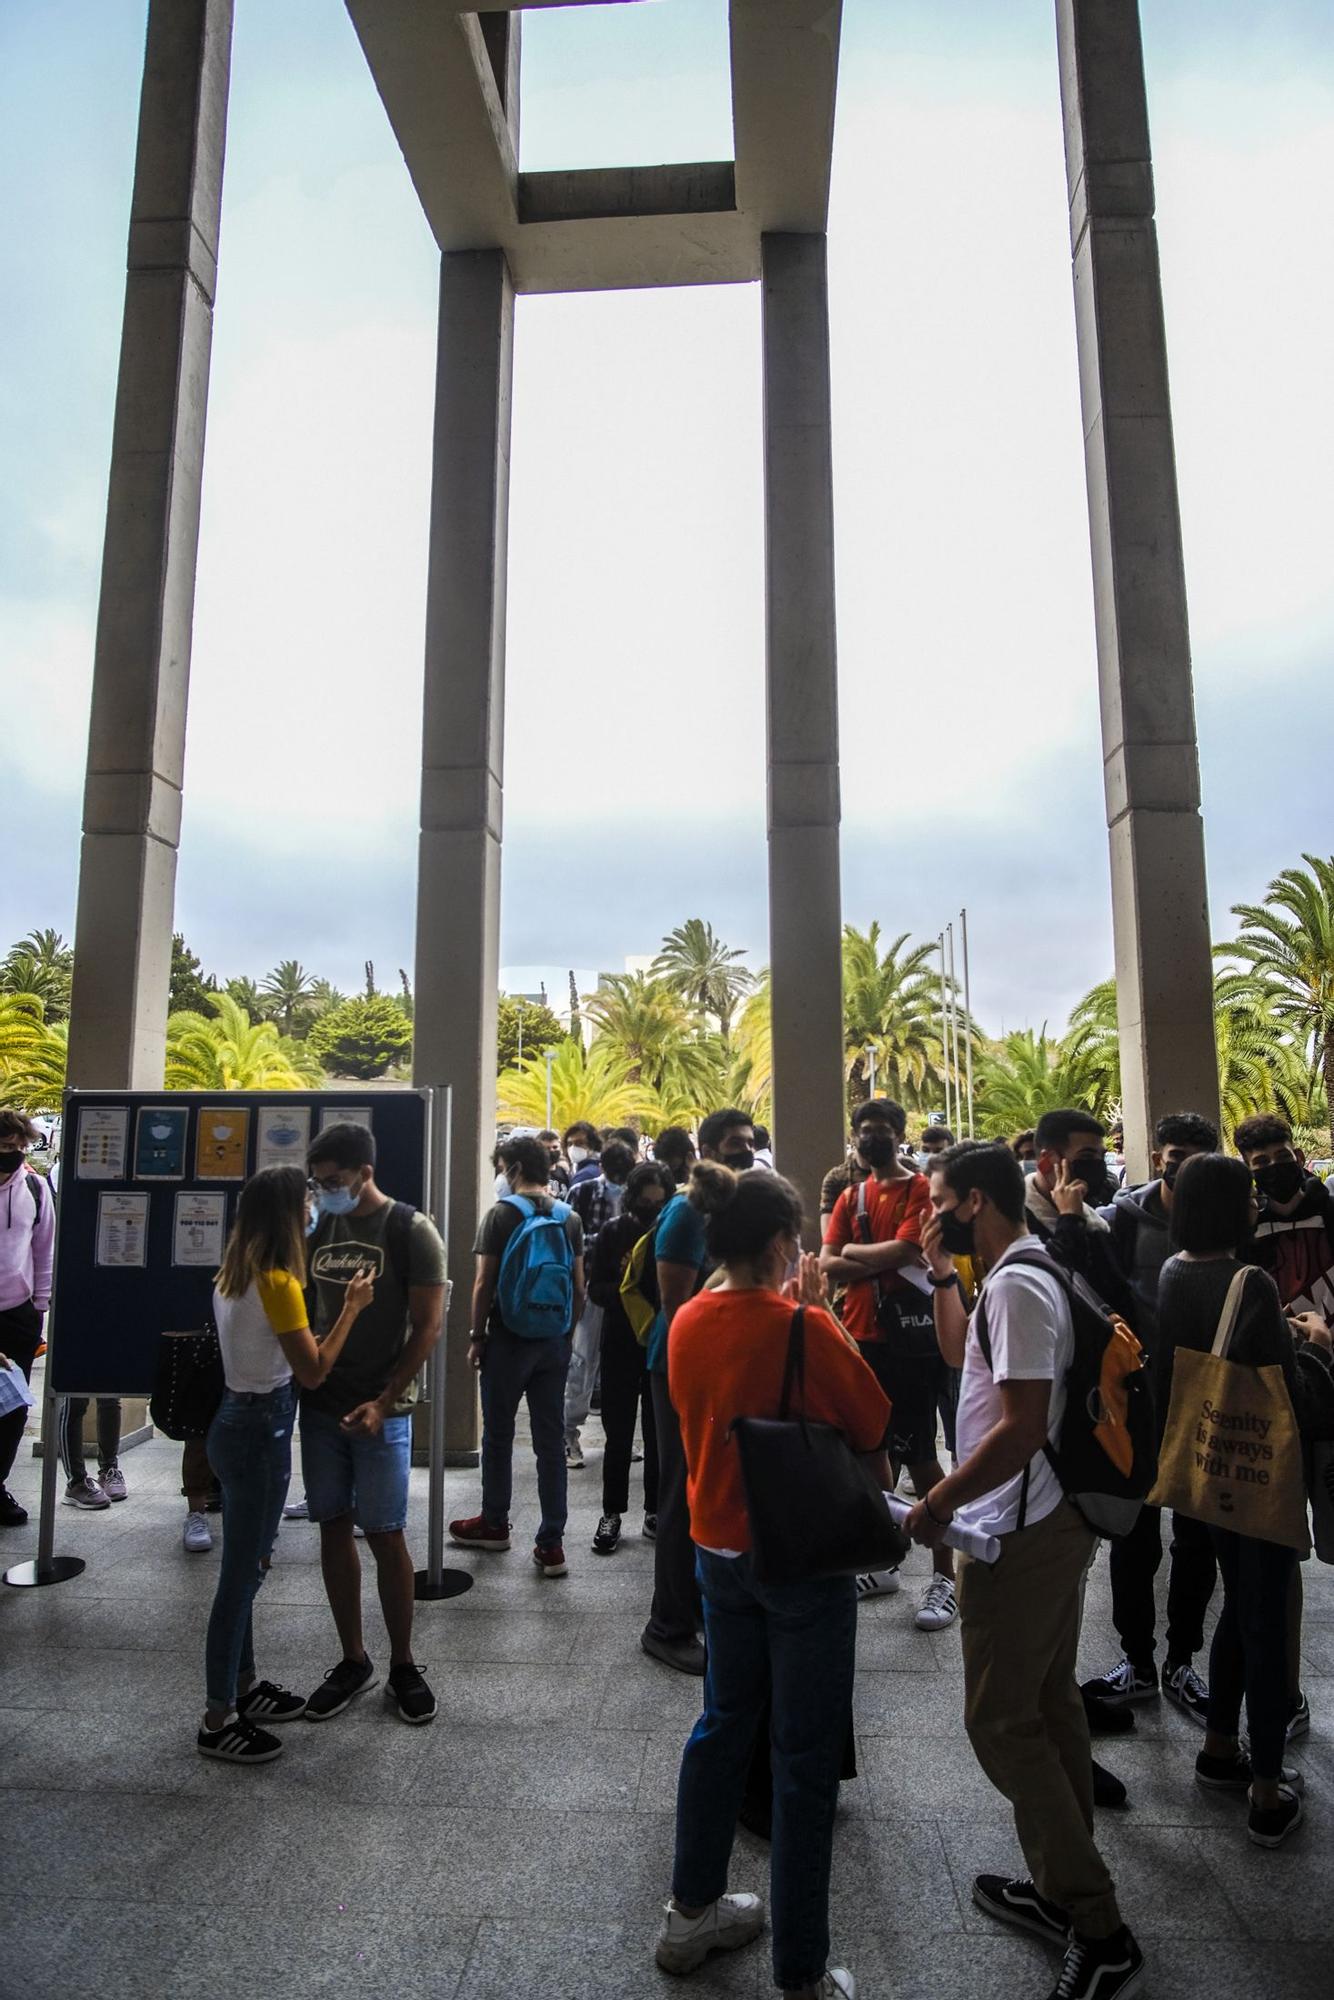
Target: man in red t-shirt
point(873, 1236)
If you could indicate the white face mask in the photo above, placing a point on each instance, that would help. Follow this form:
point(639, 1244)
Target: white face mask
point(578, 1154)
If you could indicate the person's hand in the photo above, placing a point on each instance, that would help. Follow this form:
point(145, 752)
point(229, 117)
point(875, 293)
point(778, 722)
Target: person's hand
point(1313, 1327)
point(809, 1287)
point(5, 1361)
point(1068, 1197)
point(367, 1420)
point(476, 1349)
point(938, 1261)
point(361, 1290)
point(927, 1528)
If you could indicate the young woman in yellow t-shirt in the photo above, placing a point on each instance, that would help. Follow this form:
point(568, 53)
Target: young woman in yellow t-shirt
point(260, 1310)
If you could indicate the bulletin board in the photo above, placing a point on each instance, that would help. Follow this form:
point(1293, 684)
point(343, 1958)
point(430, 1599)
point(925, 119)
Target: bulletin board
point(148, 1188)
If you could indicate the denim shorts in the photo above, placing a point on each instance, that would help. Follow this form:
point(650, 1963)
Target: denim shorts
point(347, 1473)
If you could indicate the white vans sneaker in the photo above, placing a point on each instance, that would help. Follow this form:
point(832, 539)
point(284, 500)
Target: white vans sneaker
point(837, 1984)
point(685, 1942)
point(197, 1536)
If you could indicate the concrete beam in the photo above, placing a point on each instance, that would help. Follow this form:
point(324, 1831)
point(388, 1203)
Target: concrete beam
point(801, 683)
point(617, 228)
point(458, 886)
point(1164, 967)
point(141, 661)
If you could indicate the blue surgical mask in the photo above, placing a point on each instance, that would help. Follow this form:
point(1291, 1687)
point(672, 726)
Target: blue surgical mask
point(313, 1221)
point(339, 1200)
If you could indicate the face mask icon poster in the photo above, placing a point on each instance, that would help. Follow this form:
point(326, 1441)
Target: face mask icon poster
point(159, 1142)
point(220, 1142)
point(282, 1134)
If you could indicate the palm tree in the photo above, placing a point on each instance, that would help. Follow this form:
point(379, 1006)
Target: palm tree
point(593, 1084)
point(1026, 1074)
point(41, 963)
point(706, 973)
point(891, 1004)
point(230, 1052)
point(292, 991)
point(1288, 942)
point(643, 1021)
point(1093, 1037)
point(750, 1081)
point(247, 994)
point(1261, 1067)
point(32, 1053)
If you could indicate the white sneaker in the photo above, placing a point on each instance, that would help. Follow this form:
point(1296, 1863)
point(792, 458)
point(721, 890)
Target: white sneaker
point(837, 1984)
point(297, 1510)
point(685, 1942)
point(938, 1607)
point(574, 1456)
point(878, 1583)
point(197, 1538)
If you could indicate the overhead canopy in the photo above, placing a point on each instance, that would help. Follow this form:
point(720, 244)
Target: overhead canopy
point(449, 79)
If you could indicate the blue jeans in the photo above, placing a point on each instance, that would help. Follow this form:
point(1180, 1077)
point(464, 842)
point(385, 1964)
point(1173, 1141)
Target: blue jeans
point(512, 1369)
point(250, 1449)
point(800, 1639)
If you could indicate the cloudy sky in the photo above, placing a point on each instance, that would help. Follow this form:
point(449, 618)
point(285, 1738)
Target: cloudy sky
point(634, 781)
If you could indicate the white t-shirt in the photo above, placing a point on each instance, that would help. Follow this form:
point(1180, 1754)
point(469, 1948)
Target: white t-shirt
point(1032, 1340)
point(252, 1361)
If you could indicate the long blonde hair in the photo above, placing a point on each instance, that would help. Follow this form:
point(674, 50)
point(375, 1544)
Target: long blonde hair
point(269, 1231)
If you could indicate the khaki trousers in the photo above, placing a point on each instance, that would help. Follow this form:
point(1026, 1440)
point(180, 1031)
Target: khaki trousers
point(1019, 1623)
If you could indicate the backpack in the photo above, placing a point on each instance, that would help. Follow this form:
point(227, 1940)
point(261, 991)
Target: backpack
point(535, 1290)
point(640, 1299)
point(1105, 1454)
point(904, 1317)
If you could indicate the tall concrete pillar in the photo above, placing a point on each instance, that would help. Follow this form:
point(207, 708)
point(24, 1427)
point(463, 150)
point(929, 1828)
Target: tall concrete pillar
point(458, 886)
point(801, 685)
point(141, 668)
point(1164, 974)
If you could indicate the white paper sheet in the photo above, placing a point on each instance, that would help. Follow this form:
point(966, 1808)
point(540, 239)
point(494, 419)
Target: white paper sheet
point(198, 1229)
point(14, 1391)
point(122, 1231)
point(102, 1142)
point(283, 1135)
point(982, 1548)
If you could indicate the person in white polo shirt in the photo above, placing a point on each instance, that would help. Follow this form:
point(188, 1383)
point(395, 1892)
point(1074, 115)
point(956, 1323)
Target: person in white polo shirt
point(1019, 1617)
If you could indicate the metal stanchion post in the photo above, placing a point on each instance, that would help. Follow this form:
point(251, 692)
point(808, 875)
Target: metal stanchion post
point(435, 1581)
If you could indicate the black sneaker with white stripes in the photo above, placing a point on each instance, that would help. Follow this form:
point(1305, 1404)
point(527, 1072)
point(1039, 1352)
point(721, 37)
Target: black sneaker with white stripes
point(238, 1742)
point(1100, 1968)
point(408, 1695)
point(267, 1702)
point(1019, 1903)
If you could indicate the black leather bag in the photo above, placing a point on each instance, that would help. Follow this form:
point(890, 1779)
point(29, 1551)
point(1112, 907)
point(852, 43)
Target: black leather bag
point(189, 1384)
point(815, 1507)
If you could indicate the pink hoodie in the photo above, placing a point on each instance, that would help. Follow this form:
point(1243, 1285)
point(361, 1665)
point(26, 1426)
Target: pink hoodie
point(27, 1240)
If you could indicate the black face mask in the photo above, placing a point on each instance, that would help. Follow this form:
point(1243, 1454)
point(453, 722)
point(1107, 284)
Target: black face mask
point(740, 1162)
point(1170, 1173)
point(956, 1236)
point(878, 1149)
point(10, 1162)
point(1091, 1168)
point(647, 1216)
point(1280, 1180)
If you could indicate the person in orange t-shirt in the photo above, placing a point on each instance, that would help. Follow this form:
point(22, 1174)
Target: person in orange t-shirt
point(872, 1237)
point(792, 1643)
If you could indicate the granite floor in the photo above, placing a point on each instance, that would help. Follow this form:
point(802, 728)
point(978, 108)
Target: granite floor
point(521, 1845)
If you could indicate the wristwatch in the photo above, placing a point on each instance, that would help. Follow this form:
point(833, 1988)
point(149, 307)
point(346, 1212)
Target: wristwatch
point(941, 1284)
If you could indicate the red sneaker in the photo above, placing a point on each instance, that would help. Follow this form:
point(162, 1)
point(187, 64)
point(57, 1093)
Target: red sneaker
point(479, 1533)
point(550, 1558)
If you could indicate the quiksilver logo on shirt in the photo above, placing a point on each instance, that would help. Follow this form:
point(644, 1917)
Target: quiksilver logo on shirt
point(338, 1263)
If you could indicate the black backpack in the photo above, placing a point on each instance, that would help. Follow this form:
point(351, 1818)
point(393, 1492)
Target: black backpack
point(1105, 1454)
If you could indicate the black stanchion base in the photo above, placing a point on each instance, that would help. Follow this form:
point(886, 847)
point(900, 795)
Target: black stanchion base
point(56, 1569)
point(452, 1583)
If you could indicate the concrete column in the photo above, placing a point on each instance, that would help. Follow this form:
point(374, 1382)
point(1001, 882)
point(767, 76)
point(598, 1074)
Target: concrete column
point(1164, 972)
point(141, 667)
point(801, 682)
point(458, 888)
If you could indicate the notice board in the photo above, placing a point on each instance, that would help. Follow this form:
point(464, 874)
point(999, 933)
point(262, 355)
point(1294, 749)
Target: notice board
point(148, 1188)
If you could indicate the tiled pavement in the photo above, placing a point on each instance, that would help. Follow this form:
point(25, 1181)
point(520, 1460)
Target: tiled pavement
point(521, 1845)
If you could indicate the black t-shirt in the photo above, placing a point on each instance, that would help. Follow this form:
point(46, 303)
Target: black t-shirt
point(501, 1222)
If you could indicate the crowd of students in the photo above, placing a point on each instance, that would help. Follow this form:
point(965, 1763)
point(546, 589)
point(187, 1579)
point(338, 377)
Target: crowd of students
point(943, 1302)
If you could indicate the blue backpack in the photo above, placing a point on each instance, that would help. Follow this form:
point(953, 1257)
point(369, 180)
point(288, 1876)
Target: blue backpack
point(535, 1292)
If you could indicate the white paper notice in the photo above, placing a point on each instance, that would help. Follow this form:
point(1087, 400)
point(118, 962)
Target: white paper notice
point(346, 1114)
point(122, 1231)
point(14, 1391)
point(284, 1134)
point(102, 1144)
point(199, 1226)
point(919, 1278)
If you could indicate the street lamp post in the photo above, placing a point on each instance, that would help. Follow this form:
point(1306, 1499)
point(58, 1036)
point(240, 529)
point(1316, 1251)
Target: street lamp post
point(967, 1018)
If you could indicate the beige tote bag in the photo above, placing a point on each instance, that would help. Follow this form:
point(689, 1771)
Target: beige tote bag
point(1231, 1454)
